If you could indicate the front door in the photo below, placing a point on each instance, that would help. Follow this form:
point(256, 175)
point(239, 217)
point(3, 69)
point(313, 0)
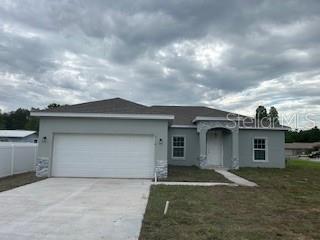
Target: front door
point(214, 148)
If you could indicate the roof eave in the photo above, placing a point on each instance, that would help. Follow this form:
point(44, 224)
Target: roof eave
point(201, 118)
point(16, 133)
point(267, 128)
point(103, 115)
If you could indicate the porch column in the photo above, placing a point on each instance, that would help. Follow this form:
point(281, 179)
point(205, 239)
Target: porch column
point(203, 146)
point(235, 148)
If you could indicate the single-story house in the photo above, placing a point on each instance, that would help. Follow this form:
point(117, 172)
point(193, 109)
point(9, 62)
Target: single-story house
point(122, 139)
point(300, 148)
point(18, 136)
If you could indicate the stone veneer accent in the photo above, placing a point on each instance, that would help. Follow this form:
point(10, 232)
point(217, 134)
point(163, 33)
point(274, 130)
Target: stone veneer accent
point(161, 168)
point(42, 167)
point(235, 163)
point(203, 161)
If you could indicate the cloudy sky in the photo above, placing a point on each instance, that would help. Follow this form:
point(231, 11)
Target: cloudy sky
point(231, 55)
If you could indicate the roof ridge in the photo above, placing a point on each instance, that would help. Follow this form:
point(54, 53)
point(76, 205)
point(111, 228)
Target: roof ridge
point(67, 106)
point(196, 106)
point(108, 99)
point(126, 100)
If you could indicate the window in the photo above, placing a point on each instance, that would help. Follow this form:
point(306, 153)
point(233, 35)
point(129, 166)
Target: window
point(178, 147)
point(260, 149)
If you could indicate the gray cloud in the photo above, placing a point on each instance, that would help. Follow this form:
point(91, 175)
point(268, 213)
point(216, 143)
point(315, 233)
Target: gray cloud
point(231, 55)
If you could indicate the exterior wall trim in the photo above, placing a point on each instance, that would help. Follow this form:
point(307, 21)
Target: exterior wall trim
point(103, 115)
point(230, 118)
point(198, 118)
point(183, 126)
point(271, 129)
point(245, 128)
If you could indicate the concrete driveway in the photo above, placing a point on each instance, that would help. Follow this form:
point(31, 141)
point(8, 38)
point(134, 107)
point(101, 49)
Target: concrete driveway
point(74, 208)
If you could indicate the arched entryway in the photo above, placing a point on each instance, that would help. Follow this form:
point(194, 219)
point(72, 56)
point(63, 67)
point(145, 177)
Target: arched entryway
point(229, 136)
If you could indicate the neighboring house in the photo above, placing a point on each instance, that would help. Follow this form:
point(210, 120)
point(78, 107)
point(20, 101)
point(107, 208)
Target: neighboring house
point(119, 138)
point(299, 148)
point(18, 136)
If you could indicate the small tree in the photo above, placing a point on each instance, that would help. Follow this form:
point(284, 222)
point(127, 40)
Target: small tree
point(53, 105)
point(261, 113)
point(273, 115)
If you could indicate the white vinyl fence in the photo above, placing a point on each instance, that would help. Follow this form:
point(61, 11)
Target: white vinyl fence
point(17, 158)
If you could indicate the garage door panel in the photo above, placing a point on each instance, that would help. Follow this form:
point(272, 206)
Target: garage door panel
point(127, 156)
point(101, 160)
point(94, 165)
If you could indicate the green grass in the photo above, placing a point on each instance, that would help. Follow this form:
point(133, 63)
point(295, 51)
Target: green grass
point(17, 180)
point(286, 205)
point(193, 174)
point(303, 164)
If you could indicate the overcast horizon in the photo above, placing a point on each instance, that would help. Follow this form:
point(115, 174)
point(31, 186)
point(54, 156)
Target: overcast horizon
point(230, 55)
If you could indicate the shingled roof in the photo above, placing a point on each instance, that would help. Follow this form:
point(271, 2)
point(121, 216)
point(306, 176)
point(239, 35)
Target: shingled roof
point(183, 115)
point(186, 114)
point(113, 105)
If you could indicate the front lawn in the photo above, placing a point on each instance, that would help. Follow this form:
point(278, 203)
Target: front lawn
point(286, 205)
point(17, 180)
point(193, 174)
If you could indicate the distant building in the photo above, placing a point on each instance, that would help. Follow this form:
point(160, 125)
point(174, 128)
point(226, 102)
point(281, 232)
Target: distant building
point(18, 136)
point(299, 148)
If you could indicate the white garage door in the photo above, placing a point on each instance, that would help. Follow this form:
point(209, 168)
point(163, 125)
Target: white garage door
point(118, 156)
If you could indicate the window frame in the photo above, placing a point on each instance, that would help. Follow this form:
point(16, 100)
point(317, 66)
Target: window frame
point(265, 149)
point(184, 147)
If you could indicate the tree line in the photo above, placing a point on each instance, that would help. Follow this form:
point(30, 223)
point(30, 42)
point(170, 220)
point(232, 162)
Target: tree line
point(21, 119)
point(310, 135)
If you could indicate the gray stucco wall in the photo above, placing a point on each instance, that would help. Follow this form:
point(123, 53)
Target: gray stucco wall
point(276, 155)
point(50, 126)
point(192, 146)
point(227, 149)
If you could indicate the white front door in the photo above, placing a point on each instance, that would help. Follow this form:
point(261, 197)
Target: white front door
point(214, 148)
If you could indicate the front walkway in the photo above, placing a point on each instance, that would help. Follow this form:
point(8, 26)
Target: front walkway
point(203, 184)
point(236, 179)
